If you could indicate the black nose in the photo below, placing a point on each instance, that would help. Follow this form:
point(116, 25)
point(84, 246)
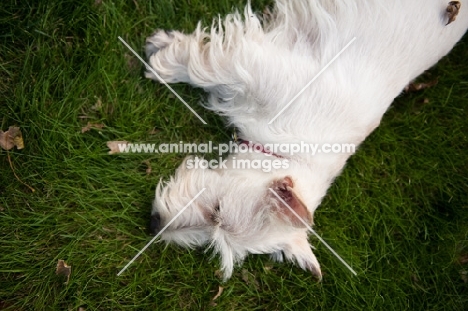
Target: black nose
point(155, 223)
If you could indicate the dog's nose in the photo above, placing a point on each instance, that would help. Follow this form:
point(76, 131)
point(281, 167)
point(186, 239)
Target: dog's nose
point(155, 223)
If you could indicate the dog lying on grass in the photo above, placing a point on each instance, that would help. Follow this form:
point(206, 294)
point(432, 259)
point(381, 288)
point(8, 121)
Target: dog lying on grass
point(253, 69)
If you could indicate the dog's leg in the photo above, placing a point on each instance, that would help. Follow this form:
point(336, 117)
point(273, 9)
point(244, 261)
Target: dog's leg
point(216, 61)
point(167, 52)
point(199, 59)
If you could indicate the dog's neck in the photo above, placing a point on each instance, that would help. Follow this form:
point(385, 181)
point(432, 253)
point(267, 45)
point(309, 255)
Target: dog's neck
point(323, 167)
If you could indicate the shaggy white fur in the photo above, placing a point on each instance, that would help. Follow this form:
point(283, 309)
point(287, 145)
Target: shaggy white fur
point(252, 67)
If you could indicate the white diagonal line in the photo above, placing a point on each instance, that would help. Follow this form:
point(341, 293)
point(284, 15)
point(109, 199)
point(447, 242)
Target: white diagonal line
point(160, 232)
point(315, 233)
point(311, 81)
point(161, 80)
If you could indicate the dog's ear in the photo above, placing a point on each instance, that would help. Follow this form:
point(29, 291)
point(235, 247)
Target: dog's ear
point(299, 251)
point(284, 187)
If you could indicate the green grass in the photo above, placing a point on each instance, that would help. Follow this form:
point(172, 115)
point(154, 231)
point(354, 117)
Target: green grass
point(398, 213)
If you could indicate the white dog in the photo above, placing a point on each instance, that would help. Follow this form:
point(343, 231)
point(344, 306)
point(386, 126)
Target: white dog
point(252, 67)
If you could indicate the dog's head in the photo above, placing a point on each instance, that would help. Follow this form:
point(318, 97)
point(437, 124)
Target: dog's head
point(238, 212)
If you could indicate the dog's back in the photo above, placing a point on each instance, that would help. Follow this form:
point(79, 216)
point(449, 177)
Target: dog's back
point(395, 41)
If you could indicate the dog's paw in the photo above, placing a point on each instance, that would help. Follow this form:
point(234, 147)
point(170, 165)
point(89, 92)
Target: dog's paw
point(159, 40)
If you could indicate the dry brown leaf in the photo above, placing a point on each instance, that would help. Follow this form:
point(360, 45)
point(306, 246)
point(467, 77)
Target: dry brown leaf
point(63, 269)
point(452, 11)
point(11, 138)
point(220, 291)
point(415, 87)
point(90, 126)
point(6, 142)
point(114, 145)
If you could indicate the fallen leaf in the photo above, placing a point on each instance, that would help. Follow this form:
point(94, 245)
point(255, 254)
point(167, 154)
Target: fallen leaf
point(11, 138)
point(220, 291)
point(63, 269)
point(415, 87)
point(90, 125)
point(19, 143)
point(6, 142)
point(452, 11)
point(114, 146)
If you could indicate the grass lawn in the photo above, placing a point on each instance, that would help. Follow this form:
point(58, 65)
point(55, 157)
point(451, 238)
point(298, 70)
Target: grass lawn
point(398, 214)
